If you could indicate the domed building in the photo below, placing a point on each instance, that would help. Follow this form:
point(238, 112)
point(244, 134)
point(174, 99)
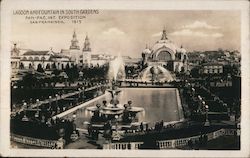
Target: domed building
point(165, 53)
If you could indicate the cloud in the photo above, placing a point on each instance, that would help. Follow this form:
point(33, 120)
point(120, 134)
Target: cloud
point(217, 35)
point(113, 31)
point(200, 24)
point(188, 32)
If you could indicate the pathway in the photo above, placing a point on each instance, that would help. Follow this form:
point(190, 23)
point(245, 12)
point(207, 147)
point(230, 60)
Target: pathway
point(78, 107)
point(46, 101)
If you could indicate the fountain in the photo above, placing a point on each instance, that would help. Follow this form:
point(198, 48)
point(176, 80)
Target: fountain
point(156, 73)
point(114, 111)
point(113, 115)
point(116, 69)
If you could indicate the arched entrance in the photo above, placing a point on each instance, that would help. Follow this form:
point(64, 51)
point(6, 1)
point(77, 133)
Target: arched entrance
point(164, 56)
point(30, 66)
point(21, 66)
point(48, 66)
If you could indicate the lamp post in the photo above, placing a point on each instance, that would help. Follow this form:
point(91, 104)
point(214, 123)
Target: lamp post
point(193, 90)
point(74, 117)
point(79, 93)
point(204, 103)
point(37, 112)
point(25, 118)
point(207, 123)
point(56, 100)
point(200, 102)
point(199, 97)
point(116, 122)
point(50, 101)
point(24, 106)
point(37, 102)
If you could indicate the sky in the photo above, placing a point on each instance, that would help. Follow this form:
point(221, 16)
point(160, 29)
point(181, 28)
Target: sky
point(128, 32)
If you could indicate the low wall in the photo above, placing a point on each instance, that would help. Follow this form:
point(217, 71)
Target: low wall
point(169, 144)
point(180, 109)
point(37, 142)
point(123, 145)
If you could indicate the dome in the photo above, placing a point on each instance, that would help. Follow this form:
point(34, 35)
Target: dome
point(164, 50)
point(164, 44)
point(146, 51)
point(182, 50)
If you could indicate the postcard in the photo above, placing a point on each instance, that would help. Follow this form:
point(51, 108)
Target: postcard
point(125, 78)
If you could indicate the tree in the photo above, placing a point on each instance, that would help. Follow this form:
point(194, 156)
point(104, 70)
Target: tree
point(29, 80)
point(56, 72)
point(195, 72)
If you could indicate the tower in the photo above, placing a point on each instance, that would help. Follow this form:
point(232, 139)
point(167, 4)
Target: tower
point(74, 49)
point(86, 51)
point(164, 34)
point(15, 50)
point(15, 58)
point(86, 45)
point(145, 54)
point(74, 42)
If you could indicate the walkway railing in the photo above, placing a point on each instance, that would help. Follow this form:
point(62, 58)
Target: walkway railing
point(36, 141)
point(170, 144)
point(123, 145)
point(175, 143)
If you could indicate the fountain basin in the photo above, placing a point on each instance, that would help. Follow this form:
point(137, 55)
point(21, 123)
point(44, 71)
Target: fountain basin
point(158, 104)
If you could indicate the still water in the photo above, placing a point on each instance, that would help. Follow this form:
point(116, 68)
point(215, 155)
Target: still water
point(158, 103)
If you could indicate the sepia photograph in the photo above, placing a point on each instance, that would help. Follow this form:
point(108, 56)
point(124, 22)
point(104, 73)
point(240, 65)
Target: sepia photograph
point(125, 78)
